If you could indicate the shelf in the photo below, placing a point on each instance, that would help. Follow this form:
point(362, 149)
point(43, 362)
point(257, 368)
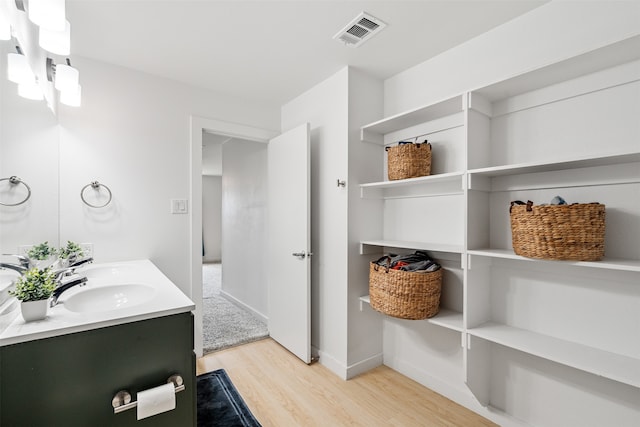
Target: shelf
point(446, 318)
point(623, 369)
point(606, 263)
point(600, 59)
point(432, 185)
point(525, 168)
point(371, 246)
point(374, 132)
point(364, 299)
point(587, 171)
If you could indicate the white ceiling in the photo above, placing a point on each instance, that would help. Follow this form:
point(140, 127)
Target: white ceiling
point(271, 51)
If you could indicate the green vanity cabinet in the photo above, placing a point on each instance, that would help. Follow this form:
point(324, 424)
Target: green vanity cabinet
point(70, 380)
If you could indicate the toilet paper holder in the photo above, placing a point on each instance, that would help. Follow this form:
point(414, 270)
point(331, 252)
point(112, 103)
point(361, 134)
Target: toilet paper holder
point(122, 400)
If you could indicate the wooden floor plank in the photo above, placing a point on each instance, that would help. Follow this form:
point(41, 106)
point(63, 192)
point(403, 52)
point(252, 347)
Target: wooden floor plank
point(281, 390)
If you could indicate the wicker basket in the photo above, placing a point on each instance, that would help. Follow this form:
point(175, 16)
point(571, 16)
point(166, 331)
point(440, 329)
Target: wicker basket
point(408, 161)
point(558, 232)
point(404, 294)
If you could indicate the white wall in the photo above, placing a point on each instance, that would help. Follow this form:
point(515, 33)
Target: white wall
point(212, 154)
point(244, 214)
point(548, 34)
point(325, 107)
point(132, 133)
point(365, 215)
point(212, 218)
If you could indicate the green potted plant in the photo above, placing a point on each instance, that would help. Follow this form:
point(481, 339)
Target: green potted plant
point(70, 253)
point(42, 255)
point(33, 289)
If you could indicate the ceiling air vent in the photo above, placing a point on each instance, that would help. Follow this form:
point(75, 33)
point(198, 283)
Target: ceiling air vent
point(361, 29)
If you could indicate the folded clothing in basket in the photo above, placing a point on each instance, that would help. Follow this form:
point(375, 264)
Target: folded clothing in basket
point(557, 200)
point(417, 262)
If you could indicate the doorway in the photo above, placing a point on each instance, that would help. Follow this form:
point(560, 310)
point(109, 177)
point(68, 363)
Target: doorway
point(233, 211)
point(200, 125)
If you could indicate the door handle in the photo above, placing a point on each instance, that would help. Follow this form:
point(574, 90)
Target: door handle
point(302, 255)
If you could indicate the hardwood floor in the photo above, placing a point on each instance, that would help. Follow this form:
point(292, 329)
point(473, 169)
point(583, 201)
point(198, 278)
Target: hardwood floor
point(282, 391)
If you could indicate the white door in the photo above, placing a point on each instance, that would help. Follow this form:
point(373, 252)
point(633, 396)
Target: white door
point(289, 242)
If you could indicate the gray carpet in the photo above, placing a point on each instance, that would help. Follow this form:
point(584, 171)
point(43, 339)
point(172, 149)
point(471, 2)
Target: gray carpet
point(224, 323)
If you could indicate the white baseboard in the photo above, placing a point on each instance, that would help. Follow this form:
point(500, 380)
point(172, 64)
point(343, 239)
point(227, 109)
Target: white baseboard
point(343, 371)
point(364, 366)
point(330, 363)
point(241, 304)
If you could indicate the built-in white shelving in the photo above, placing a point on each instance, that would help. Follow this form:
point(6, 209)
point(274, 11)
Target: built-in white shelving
point(566, 129)
point(375, 246)
point(617, 367)
point(526, 168)
point(364, 299)
point(376, 131)
point(432, 185)
point(446, 318)
point(597, 60)
point(606, 263)
point(586, 171)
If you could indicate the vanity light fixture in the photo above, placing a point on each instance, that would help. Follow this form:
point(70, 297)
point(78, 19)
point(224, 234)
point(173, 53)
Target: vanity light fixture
point(19, 5)
point(72, 98)
point(54, 36)
point(5, 28)
point(56, 41)
point(66, 77)
point(18, 69)
point(49, 14)
point(30, 90)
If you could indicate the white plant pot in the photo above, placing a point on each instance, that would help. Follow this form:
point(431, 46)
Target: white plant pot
point(34, 310)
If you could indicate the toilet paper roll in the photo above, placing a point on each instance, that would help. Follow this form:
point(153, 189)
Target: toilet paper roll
point(156, 400)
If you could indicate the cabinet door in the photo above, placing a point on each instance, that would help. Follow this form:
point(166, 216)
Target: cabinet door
point(70, 380)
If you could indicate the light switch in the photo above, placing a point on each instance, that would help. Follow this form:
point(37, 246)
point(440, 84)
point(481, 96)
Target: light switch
point(179, 206)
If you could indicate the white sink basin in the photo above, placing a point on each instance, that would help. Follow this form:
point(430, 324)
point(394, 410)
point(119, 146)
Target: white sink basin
point(116, 272)
point(108, 298)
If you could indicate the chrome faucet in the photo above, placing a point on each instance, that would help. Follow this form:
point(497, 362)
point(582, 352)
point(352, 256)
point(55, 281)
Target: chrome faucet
point(63, 286)
point(21, 268)
point(15, 267)
point(67, 271)
point(78, 263)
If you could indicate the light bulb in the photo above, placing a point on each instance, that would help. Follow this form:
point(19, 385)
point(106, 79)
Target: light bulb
point(66, 78)
point(58, 42)
point(72, 98)
point(48, 14)
point(18, 70)
point(5, 28)
point(30, 91)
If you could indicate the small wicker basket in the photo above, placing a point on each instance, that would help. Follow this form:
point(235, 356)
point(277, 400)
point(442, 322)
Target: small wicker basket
point(408, 161)
point(404, 294)
point(558, 232)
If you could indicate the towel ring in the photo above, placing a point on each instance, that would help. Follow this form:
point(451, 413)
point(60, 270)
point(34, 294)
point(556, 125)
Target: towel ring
point(96, 186)
point(14, 180)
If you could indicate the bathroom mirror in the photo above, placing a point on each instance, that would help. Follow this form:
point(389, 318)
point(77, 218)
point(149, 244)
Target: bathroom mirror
point(29, 150)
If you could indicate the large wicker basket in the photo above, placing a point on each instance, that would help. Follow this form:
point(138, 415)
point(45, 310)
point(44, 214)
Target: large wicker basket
point(408, 161)
point(404, 294)
point(558, 232)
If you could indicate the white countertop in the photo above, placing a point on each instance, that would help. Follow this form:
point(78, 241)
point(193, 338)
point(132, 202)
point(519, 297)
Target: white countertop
point(167, 299)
